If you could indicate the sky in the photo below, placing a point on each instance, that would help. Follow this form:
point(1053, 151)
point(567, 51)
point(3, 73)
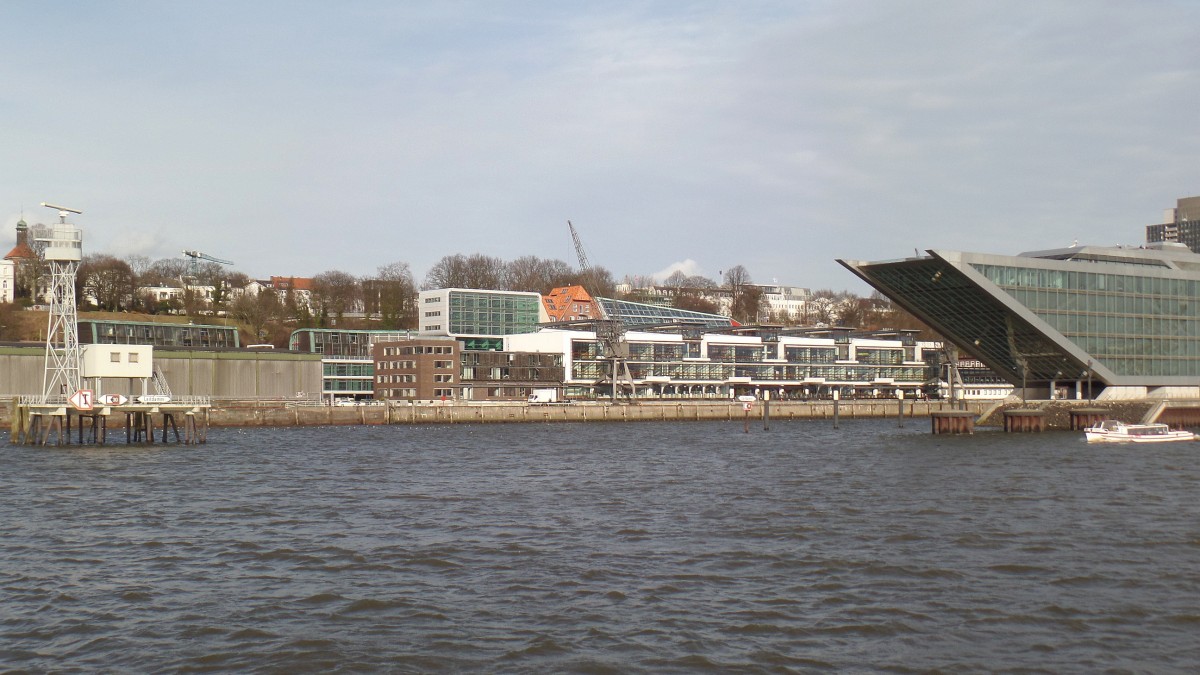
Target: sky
point(296, 137)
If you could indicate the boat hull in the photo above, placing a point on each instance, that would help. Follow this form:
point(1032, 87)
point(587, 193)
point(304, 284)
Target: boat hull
point(1172, 437)
point(1111, 431)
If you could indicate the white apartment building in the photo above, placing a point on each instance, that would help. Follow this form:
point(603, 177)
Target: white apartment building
point(8, 280)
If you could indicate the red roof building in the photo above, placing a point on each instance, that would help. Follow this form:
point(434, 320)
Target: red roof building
point(22, 250)
point(571, 303)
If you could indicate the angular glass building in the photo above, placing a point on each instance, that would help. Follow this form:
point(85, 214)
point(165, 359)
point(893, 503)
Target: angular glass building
point(1123, 317)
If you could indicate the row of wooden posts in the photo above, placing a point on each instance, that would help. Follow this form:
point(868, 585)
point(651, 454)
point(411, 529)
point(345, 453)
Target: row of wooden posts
point(963, 421)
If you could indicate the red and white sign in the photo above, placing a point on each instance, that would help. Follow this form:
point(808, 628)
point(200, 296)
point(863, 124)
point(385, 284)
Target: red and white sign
point(113, 399)
point(82, 399)
point(748, 407)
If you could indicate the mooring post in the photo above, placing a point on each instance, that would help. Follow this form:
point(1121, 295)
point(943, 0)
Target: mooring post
point(836, 396)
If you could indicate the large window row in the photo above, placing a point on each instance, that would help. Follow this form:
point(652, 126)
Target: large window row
point(590, 370)
point(349, 385)
point(490, 301)
point(1025, 277)
point(810, 354)
point(349, 369)
point(879, 357)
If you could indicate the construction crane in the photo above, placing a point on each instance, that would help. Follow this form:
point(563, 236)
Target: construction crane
point(610, 332)
point(196, 257)
point(585, 267)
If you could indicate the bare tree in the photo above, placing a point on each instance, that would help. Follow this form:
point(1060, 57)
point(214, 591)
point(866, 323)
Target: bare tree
point(257, 310)
point(600, 282)
point(839, 308)
point(745, 299)
point(538, 275)
point(636, 281)
point(109, 282)
point(163, 272)
point(677, 280)
point(193, 301)
point(335, 293)
point(235, 279)
point(392, 295)
point(694, 302)
point(138, 263)
point(449, 272)
point(824, 307)
point(460, 271)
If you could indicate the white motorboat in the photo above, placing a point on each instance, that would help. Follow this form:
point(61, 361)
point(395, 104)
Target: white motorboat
point(1112, 431)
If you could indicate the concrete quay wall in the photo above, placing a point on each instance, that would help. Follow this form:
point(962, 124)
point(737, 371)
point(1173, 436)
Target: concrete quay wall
point(465, 413)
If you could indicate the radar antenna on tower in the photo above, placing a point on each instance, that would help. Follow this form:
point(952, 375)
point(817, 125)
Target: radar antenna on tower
point(63, 252)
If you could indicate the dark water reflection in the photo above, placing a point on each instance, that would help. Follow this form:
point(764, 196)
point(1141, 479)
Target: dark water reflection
point(602, 548)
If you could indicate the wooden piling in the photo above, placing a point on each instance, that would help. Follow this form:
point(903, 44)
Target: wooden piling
point(1082, 418)
point(952, 422)
point(1024, 421)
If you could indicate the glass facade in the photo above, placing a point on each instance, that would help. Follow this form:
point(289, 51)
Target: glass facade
point(1133, 325)
point(492, 313)
point(805, 369)
point(346, 344)
point(158, 334)
point(349, 366)
point(637, 313)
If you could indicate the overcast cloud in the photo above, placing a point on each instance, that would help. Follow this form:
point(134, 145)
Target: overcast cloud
point(294, 138)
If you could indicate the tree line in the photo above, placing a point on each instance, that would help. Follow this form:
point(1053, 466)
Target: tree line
point(388, 297)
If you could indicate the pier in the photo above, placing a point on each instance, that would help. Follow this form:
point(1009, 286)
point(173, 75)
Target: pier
point(35, 423)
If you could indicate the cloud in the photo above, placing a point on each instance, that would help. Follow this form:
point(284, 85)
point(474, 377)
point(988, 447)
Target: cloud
point(689, 267)
point(778, 136)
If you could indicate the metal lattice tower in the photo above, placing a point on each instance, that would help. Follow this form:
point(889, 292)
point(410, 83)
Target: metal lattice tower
point(63, 252)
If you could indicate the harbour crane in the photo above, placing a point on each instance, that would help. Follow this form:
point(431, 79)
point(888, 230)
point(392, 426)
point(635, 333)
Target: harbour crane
point(585, 267)
point(196, 257)
point(610, 332)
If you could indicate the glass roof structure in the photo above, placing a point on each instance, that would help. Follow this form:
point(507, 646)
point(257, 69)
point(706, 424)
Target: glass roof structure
point(1130, 316)
point(637, 313)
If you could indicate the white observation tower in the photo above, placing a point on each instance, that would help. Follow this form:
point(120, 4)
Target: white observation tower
point(63, 252)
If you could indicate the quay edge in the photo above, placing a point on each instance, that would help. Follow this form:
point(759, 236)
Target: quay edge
point(281, 414)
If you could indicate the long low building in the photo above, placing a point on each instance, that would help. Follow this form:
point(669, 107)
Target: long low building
point(683, 362)
point(215, 373)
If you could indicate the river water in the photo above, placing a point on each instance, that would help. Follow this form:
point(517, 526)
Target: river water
point(641, 547)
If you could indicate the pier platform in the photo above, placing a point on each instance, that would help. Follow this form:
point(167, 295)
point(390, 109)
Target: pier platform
point(39, 423)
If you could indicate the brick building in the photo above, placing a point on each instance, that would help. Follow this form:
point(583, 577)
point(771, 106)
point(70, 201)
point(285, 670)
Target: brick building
point(417, 369)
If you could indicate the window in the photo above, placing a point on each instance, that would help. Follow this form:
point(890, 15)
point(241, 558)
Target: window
point(443, 364)
point(115, 357)
point(133, 357)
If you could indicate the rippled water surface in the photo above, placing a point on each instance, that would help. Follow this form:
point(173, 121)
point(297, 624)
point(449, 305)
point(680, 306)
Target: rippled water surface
point(602, 548)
